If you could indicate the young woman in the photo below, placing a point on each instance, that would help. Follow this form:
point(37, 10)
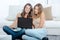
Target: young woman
point(25, 13)
point(38, 31)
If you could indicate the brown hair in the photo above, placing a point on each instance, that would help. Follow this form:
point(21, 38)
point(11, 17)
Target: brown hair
point(40, 9)
point(29, 14)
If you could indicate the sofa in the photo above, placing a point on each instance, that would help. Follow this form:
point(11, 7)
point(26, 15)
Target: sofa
point(52, 27)
point(8, 23)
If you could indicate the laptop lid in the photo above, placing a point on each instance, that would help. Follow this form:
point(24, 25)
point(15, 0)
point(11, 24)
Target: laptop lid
point(25, 22)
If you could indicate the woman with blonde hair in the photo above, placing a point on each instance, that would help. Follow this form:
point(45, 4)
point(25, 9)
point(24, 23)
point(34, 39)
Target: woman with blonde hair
point(38, 31)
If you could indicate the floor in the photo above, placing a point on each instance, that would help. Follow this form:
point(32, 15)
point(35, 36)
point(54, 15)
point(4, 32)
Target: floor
point(54, 37)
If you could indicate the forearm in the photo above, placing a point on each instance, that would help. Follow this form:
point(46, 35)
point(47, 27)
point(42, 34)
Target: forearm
point(14, 25)
point(42, 20)
point(41, 24)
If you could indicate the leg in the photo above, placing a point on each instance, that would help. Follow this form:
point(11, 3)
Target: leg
point(37, 33)
point(14, 34)
point(8, 30)
point(20, 33)
point(25, 37)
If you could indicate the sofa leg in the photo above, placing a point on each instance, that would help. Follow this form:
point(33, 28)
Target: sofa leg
point(45, 38)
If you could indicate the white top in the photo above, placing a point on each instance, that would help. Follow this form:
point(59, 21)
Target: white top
point(36, 22)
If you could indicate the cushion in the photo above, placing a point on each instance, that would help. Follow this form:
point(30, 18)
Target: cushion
point(48, 13)
point(13, 10)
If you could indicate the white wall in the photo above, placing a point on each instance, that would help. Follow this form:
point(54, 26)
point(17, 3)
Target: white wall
point(56, 8)
point(4, 6)
point(21, 3)
point(16, 6)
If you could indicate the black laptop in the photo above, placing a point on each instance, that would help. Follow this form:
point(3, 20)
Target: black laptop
point(24, 23)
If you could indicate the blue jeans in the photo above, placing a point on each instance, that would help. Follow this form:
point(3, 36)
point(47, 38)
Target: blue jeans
point(15, 34)
point(34, 34)
point(30, 34)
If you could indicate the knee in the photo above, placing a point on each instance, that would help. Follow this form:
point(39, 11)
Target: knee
point(24, 37)
point(27, 32)
point(5, 27)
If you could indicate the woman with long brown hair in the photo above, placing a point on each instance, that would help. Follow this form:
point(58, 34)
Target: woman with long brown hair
point(26, 13)
point(38, 31)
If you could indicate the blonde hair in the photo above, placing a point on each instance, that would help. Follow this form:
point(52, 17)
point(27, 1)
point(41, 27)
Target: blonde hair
point(39, 10)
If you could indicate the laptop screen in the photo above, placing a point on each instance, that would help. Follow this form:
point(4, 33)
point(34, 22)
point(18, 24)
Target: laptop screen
point(25, 22)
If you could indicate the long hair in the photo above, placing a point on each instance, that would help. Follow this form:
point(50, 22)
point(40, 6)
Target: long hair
point(40, 9)
point(23, 12)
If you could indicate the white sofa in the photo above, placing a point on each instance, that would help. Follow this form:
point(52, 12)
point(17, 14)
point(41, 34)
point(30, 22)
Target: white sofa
point(5, 37)
point(52, 26)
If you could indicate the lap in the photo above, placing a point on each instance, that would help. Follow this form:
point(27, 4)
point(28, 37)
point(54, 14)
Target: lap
point(39, 33)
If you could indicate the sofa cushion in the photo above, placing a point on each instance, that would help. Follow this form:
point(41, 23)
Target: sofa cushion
point(48, 13)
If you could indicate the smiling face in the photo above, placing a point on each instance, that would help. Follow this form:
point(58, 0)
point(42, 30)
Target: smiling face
point(36, 10)
point(27, 9)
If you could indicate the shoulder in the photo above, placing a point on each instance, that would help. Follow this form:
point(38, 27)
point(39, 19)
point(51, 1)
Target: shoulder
point(18, 14)
point(42, 15)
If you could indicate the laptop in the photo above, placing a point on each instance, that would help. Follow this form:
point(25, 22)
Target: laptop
point(24, 23)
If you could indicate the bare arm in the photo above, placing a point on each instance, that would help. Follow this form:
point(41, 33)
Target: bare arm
point(33, 26)
point(15, 22)
point(42, 20)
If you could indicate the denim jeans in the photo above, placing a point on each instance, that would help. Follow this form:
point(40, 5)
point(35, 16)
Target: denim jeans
point(15, 34)
point(34, 34)
point(30, 34)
